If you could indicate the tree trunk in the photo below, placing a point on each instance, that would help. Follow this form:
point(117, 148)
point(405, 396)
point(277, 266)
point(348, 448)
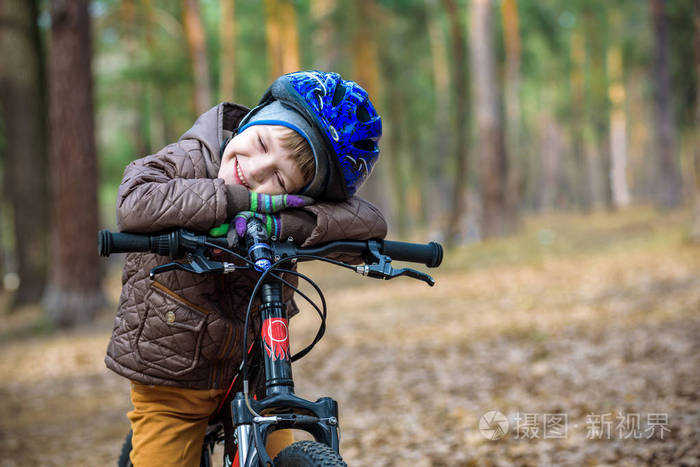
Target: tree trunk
point(365, 72)
point(550, 162)
point(23, 100)
point(493, 162)
point(695, 228)
point(364, 50)
point(137, 89)
point(597, 118)
point(394, 164)
point(618, 129)
point(438, 190)
point(581, 183)
point(153, 118)
point(460, 106)
point(74, 295)
point(640, 154)
point(668, 179)
point(290, 37)
point(282, 38)
point(326, 54)
point(516, 164)
point(196, 43)
point(273, 37)
point(594, 169)
point(227, 65)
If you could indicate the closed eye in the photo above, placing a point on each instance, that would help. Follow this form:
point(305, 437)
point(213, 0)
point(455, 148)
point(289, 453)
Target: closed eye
point(260, 141)
point(280, 181)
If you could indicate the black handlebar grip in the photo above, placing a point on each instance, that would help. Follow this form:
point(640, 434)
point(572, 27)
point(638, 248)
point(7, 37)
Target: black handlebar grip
point(430, 254)
point(108, 243)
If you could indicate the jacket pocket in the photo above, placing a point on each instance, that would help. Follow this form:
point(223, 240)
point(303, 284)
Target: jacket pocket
point(170, 334)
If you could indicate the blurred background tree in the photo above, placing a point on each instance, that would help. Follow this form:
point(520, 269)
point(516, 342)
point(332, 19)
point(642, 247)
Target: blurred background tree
point(25, 191)
point(491, 109)
point(73, 294)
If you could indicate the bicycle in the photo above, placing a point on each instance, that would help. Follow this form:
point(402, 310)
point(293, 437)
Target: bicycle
point(253, 420)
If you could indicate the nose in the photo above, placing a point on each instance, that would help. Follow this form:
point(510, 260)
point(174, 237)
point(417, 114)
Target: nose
point(260, 168)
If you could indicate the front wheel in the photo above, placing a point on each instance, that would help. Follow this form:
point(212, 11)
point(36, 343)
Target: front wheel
point(308, 454)
point(124, 460)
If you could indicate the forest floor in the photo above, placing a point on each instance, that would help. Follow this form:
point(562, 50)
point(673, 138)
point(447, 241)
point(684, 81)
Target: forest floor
point(583, 331)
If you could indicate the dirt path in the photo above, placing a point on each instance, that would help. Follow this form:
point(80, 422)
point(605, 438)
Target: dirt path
point(604, 337)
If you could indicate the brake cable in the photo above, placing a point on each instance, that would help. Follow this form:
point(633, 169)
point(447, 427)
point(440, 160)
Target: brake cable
point(270, 271)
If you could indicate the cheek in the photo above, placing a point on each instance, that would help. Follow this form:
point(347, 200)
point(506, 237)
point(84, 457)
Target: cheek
point(226, 172)
point(268, 188)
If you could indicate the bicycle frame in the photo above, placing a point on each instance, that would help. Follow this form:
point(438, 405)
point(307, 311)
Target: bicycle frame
point(254, 420)
point(284, 408)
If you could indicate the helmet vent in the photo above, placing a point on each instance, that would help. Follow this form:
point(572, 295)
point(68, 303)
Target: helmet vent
point(362, 114)
point(338, 94)
point(364, 145)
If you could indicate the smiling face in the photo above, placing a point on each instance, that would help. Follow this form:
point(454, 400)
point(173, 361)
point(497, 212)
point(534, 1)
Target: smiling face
point(257, 159)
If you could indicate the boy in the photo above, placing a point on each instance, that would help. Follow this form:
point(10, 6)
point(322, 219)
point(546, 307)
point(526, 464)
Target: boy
point(313, 136)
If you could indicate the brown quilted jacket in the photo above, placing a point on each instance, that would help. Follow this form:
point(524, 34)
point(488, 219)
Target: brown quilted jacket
point(182, 329)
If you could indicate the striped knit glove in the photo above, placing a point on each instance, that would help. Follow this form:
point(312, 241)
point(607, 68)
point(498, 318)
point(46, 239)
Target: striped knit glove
point(264, 208)
point(262, 203)
point(271, 222)
point(235, 230)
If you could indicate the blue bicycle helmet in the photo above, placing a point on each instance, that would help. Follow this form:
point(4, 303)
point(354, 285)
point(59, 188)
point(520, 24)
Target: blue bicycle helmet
point(339, 122)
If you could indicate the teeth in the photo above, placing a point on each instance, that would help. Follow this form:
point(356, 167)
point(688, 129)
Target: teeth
point(240, 174)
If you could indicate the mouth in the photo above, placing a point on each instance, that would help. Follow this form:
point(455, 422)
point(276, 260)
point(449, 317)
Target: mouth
point(239, 175)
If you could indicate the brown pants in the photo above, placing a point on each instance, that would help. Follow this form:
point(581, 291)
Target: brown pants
point(169, 424)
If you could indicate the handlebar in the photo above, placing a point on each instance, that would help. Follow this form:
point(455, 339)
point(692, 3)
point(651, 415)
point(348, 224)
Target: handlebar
point(178, 242)
point(264, 256)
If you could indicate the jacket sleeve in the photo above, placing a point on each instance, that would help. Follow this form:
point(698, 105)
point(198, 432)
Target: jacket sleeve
point(172, 189)
point(354, 219)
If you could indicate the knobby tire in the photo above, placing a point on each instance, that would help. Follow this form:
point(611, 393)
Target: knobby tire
point(308, 454)
point(124, 460)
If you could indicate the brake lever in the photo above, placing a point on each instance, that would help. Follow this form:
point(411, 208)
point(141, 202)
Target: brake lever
point(383, 270)
point(198, 264)
point(427, 278)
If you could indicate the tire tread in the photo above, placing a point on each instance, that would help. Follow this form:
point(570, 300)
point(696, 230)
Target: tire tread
point(308, 454)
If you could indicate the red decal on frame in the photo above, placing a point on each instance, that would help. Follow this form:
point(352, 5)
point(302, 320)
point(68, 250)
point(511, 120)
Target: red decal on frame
point(276, 338)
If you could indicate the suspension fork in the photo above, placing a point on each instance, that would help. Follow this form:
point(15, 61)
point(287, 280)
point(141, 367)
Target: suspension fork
point(319, 418)
point(278, 367)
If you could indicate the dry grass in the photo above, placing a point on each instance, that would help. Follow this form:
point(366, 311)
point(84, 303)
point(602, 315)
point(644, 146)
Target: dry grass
point(576, 315)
